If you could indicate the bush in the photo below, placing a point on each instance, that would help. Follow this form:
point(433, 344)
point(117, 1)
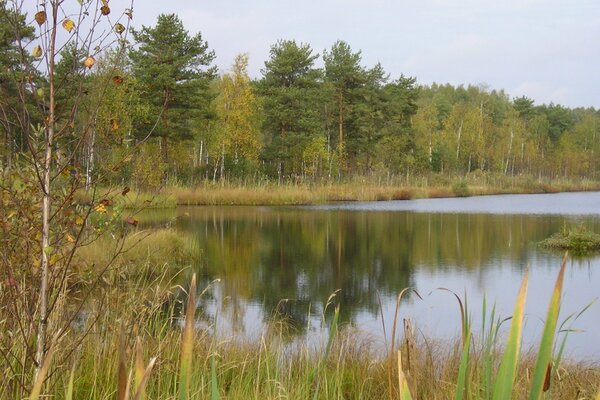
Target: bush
point(461, 189)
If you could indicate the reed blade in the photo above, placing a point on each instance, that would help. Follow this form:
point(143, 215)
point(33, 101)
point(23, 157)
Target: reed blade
point(544, 358)
point(187, 342)
point(505, 378)
point(69, 392)
point(140, 390)
point(139, 367)
point(402, 382)
point(461, 384)
point(122, 380)
point(332, 332)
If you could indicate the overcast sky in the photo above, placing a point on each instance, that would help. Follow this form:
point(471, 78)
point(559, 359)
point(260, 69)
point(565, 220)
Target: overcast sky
point(548, 50)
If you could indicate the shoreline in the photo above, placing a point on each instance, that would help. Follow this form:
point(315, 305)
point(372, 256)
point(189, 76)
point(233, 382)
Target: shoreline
point(289, 195)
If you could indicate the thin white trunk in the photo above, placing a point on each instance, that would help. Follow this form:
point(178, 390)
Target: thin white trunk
point(46, 203)
point(458, 139)
point(90, 162)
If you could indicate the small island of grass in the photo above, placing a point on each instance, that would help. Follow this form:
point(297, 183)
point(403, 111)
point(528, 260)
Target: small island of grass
point(579, 241)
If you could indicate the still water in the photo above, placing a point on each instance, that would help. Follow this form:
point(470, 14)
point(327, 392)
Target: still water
point(291, 259)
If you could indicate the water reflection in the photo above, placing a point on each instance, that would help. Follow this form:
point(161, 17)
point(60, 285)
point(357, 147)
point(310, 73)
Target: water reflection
point(290, 260)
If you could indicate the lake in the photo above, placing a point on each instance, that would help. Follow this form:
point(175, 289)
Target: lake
point(291, 259)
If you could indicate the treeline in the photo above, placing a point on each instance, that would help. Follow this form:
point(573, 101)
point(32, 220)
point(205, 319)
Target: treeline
point(299, 121)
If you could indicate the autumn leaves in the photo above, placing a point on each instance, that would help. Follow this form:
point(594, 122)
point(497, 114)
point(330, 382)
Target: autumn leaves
point(41, 17)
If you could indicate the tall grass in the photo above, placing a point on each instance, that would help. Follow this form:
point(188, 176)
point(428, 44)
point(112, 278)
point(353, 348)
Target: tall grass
point(188, 363)
point(366, 190)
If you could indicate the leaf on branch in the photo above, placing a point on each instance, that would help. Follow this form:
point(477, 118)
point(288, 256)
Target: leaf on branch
point(40, 17)
point(79, 221)
point(129, 13)
point(114, 124)
point(132, 221)
point(119, 28)
point(105, 3)
point(68, 24)
point(89, 62)
point(126, 190)
point(117, 80)
point(37, 51)
point(70, 238)
point(100, 208)
point(40, 92)
point(105, 10)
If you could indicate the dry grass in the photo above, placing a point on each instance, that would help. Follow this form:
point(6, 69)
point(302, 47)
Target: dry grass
point(139, 253)
point(366, 190)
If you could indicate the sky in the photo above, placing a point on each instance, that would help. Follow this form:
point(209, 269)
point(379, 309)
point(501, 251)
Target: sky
point(548, 50)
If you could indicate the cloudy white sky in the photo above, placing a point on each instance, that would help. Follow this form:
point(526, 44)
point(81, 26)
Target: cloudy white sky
point(546, 49)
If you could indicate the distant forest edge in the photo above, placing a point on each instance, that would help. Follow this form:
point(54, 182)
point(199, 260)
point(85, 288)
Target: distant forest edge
point(296, 123)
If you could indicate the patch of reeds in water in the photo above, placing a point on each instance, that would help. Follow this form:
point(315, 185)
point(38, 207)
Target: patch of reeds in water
point(578, 240)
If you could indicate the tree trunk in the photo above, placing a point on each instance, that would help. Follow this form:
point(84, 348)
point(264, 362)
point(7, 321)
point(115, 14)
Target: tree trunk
point(90, 160)
point(46, 203)
point(459, 133)
point(341, 119)
point(222, 161)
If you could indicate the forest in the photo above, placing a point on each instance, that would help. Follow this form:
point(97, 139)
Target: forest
point(310, 117)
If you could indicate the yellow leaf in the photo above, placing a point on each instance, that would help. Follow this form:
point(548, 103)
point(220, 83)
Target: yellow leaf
point(100, 208)
point(119, 28)
point(114, 124)
point(79, 221)
point(68, 25)
point(105, 10)
point(70, 238)
point(37, 51)
point(89, 62)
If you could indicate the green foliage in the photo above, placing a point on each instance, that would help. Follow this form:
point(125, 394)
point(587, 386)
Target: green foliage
point(173, 71)
point(291, 106)
point(238, 130)
point(579, 241)
point(461, 189)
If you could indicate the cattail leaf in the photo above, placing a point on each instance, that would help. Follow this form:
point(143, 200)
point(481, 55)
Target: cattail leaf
point(544, 358)
point(505, 378)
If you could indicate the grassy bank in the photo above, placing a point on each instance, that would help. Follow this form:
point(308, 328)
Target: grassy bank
point(359, 189)
point(270, 368)
point(146, 253)
point(365, 190)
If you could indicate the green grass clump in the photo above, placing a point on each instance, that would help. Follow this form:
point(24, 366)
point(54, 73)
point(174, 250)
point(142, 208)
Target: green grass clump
point(461, 189)
point(144, 253)
point(578, 241)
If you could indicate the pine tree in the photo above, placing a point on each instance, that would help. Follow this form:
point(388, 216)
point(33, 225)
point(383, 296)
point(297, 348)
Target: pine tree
point(291, 104)
point(173, 71)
